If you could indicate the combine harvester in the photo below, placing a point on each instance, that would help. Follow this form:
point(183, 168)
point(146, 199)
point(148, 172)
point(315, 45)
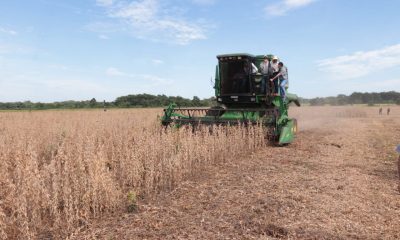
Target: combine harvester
point(241, 101)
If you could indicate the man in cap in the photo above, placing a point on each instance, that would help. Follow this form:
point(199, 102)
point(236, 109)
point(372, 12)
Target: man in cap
point(274, 64)
point(283, 79)
point(266, 71)
point(275, 71)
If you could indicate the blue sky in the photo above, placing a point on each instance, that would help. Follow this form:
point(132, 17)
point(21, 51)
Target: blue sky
point(55, 50)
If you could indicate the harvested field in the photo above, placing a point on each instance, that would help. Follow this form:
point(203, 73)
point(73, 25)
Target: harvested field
point(70, 173)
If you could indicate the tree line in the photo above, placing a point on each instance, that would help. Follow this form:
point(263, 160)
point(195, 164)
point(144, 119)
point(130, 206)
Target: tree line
point(148, 100)
point(129, 101)
point(391, 97)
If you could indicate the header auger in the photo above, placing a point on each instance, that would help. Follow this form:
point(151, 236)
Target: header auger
point(241, 100)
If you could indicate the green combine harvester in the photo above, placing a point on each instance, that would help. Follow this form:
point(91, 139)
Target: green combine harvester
point(241, 100)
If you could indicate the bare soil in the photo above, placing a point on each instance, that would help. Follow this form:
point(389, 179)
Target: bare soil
point(338, 180)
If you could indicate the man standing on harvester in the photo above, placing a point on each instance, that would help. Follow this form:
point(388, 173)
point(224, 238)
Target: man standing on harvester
point(283, 78)
point(274, 64)
point(266, 70)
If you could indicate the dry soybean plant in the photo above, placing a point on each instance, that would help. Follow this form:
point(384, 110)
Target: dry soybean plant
point(61, 169)
point(351, 113)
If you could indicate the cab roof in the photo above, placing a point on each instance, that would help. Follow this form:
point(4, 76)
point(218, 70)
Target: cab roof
point(246, 55)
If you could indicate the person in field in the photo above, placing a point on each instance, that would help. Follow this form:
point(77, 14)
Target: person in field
point(380, 111)
point(398, 150)
point(388, 111)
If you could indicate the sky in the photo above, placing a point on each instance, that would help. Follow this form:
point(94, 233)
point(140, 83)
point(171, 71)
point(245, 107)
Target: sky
point(57, 50)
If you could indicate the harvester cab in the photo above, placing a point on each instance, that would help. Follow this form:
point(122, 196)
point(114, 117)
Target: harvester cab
point(245, 97)
point(237, 80)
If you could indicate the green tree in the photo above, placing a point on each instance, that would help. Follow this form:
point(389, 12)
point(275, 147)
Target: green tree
point(196, 101)
point(93, 103)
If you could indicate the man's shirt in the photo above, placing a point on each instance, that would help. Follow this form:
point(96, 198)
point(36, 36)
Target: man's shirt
point(265, 67)
point(284, 73)
point(275, 67)
point(254, 68)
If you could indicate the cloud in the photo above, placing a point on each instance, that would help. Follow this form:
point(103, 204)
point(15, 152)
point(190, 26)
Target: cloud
point(371, 86)
point(103, 37)
point(113, 72)
point(387, 84)
point(5, 49)
point(148, 78)
point(361, 64)
point(148, 19)
point(284, 6)
point(104, 2)
point(8, 31)
point(104, 27)
point(70, 84)
point(204, 2)
point(27, 79)
point(36, 85)
point(15, 49)
point(157, 61)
